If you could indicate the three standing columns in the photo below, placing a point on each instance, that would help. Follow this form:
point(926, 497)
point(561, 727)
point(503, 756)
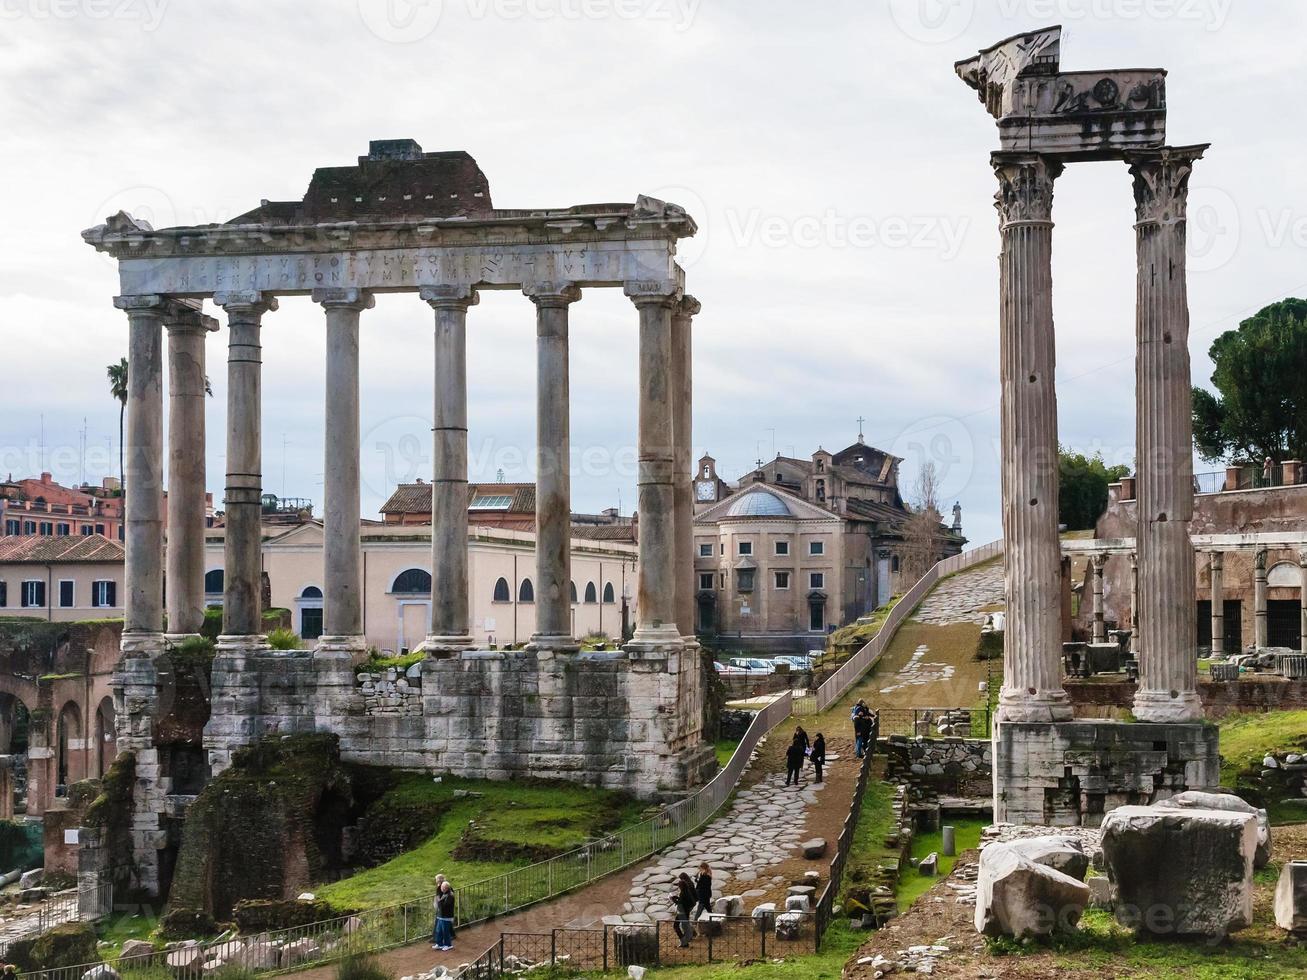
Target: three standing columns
point(187, 388)
point(1168, 668)
point(682, 438)
point(342, 604)
point(553, 469)
point(1032, 683)
point(656, 632)
point(450, 624)
point(242, 613)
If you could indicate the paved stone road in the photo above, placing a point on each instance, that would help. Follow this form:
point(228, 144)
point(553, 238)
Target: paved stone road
point(960, 598)
point(918, 671)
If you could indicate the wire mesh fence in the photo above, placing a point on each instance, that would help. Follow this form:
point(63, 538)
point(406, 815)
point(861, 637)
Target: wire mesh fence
point(83, 905)
point(973, 722)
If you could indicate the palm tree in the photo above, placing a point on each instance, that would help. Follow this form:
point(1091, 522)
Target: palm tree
point(118, 388)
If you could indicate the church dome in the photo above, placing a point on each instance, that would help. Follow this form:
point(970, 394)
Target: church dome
point(759, 503)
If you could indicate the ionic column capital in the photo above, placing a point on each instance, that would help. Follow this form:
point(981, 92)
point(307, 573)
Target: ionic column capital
point(1025, 187)
point(1302, 558)
point(1161, 182)
point(1218, 561)
point(653, 292)
point(185, 320)
point(144, 303)
point(1098, 562)
point(344, 298)
point(687, 307)
point(450, 297)
point(1259, 559)
point(552, 295)
point(245, 303)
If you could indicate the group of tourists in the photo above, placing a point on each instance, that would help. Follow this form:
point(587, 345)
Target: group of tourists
point(800, 750)
point(442, 935)
point(864, 729)
point(691, 899)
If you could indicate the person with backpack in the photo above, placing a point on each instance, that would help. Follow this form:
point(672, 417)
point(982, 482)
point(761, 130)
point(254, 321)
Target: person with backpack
point(684, 899)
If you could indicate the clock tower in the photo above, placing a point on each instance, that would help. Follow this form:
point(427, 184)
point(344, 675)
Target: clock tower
point(708, 486)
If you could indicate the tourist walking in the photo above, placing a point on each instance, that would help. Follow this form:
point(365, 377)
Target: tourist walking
point(818, 754)
point(684, 899)
point(703, 890)
point(443, 936)
point(794, 756)
point(862, 727)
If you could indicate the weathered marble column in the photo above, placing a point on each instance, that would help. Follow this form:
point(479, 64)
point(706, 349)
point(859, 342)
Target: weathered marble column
point(342, 576)
point(1096, 564)
point(450, 626)
point(143, 474)
point(1302, 601)
point(1032, 682)
point(553, 468)
point(187, 388)
point(1168, 665)
point(656, 633)
point(242, 612)
point(1260, 631)
point(683, 466)
point(1134, 603)
point(1218, 604)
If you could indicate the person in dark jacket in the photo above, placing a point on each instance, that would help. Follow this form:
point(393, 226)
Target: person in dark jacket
point(801, 736)
point(818, 754)
point(703, 890)
point(444, 936)
point(862, 732)
point(794, 756)
point(684, 899)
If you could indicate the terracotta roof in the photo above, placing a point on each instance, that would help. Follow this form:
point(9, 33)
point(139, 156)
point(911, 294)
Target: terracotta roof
point(604, 532)
point(415, 498)
point(69, 548)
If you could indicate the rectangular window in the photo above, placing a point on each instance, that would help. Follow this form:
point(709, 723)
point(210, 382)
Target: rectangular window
point(13, 527)
point(99, 529)
point(63, 530)
point(782, 547)
point(782, 580)
point(29, 527)
point(491, 502)
point(816, 580)
point(721, 548)
point(4, 594)
point(104, 594)
point(87, 530)
point(744, 578)
point(33, 594)
point(746, 547)
point(721, 580)
point(705, 551)
point(705, 581)
point(47, 528)
point(816, 547)
point(67, 593)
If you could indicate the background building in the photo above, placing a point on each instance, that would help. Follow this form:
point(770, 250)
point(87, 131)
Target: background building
point(61, 579)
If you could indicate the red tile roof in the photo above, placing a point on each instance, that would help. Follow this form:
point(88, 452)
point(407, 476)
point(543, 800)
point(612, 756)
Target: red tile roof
point(69, 548)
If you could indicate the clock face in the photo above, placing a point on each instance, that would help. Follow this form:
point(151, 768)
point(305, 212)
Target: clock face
point(705, 491)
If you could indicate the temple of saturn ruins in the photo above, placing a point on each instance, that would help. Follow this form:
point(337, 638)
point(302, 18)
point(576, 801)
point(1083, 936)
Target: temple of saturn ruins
point(1049, 768)
point(403, 221)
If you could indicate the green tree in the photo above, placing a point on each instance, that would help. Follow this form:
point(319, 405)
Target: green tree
point(1082, 488)
point(118, 388)
point(1259, 408)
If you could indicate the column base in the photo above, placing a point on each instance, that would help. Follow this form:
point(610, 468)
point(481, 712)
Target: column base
point(1161, 706)
point(1042, 706)
point(654, 643)
point(347, 647)
point(241, 643)
point(142, 644)
point(445, 645)
point(552, 643)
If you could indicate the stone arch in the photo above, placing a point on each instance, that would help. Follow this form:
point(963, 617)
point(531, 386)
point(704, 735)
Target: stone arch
point(106, 736)
point(70, 748)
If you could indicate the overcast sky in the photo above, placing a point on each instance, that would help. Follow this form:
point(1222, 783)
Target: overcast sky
point(847, 257)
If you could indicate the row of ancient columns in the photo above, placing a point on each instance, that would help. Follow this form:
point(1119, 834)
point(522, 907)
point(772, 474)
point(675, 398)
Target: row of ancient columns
point(1098, 632)
point(1032, 689)
point(665, 604)
point(1260, 627)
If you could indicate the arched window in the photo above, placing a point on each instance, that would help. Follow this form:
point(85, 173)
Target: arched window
point(311, 592)
point(414, 581)
point(590, 594)
point(501, 591)
point(526, 592)
point(214, 581)
point(609, 594)
point(571, 591)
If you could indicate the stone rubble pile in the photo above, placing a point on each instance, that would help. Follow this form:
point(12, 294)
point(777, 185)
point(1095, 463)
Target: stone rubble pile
point(392, 692)
point(913, 959)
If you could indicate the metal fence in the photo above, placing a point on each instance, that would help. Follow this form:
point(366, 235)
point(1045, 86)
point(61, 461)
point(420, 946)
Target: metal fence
point(853, 669)
point(958, 722)
point(72, 906)
point(826, 903)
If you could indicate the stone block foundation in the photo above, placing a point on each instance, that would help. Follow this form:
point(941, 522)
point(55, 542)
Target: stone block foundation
point(1067, 774)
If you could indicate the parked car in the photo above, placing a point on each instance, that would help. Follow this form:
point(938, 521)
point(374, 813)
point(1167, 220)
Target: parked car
point(753, 665)
point(729, 668)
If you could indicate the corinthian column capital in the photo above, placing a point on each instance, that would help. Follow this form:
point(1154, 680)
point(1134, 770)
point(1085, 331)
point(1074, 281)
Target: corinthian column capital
point(1161, 181)
point(1025, 186)
point(688, 306)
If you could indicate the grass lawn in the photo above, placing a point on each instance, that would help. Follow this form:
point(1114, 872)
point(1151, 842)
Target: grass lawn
point(1245, 738)
point(912, 883)
point(122, 926)
point(725, 749)
point(506, 818)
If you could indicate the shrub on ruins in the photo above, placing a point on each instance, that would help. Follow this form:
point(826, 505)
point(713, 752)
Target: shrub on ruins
point(406, 815)
point(258, 915)
point(360, 966)
point(70, 944)
point(283, 639)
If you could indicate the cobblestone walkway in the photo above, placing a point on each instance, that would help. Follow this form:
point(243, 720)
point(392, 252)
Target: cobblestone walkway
point(918, 671)
point(960, 598)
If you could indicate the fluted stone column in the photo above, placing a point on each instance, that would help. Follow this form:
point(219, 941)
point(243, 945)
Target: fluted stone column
point(1260, 632)
point(187, 384)
point(342, 554)
point(1134, 603)
point(553, 468)
point(1302, 601)
point(143, 473)
point(656, 632)
point(682, 437)
point(450, 626)
point(1096, 564)
point(1032, 683)
point(242, 613)
point(1218, 604)
point(1168, 666)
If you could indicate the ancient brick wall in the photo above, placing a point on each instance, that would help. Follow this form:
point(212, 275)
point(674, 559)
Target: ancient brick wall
point(1255, 693)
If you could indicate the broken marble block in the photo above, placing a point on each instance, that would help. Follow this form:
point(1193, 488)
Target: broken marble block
point(814, 849)
point(729, 905)
point(1019, 896)
point(789, 925)
point(1065, 854)
point(1291, 898)
point(1180, 872)
point(797, 903)
point(1198, 800)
